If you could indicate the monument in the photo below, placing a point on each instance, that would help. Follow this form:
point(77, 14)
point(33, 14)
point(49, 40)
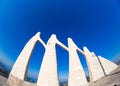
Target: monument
point(98, 66)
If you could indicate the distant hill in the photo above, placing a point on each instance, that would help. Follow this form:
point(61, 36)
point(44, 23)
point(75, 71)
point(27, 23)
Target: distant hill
point(3, 70)
point(65, 84)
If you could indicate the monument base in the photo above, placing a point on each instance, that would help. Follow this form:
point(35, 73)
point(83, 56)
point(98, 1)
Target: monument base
point(14, 81)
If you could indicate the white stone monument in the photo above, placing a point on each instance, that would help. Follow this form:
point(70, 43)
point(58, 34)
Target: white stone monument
point(98, 67)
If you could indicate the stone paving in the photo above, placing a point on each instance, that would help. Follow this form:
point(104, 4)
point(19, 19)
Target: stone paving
point(3, 81)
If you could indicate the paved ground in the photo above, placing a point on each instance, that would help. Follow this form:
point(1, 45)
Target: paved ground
point(3, 81)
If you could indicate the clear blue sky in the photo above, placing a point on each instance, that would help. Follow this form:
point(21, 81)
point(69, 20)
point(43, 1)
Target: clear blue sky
point(91, 23)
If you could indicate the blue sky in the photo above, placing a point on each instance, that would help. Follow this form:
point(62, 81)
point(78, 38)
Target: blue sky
point(91, 23)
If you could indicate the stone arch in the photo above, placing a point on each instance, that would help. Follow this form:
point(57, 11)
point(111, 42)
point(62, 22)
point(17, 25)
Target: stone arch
point(20, 67)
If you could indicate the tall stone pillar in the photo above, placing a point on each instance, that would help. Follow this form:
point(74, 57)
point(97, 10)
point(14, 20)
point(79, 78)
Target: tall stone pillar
point(107, 65)
point(48, 75)
point(94, 67)
point(20, 67)
point(77, 75)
